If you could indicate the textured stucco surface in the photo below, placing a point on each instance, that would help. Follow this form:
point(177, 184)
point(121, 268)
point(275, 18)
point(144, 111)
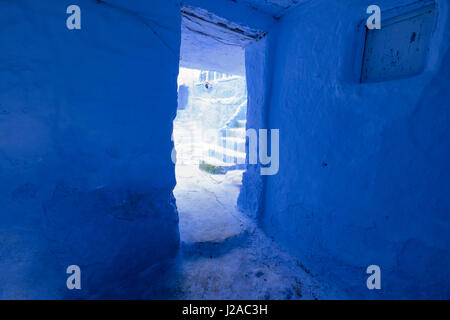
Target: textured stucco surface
point(85, 143)
point(86, 175)
point(364, 173)
point(258, 68)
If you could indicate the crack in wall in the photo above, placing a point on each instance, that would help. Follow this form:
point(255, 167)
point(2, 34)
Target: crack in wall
point(145, 20)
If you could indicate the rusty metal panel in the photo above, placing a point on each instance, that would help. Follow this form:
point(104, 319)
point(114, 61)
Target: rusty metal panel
point(400, 48)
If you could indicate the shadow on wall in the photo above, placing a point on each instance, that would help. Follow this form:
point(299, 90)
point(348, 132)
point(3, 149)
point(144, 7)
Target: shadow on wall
point(383, 196)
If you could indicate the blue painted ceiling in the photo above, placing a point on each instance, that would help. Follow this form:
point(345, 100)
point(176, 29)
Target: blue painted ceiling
point(273, 7)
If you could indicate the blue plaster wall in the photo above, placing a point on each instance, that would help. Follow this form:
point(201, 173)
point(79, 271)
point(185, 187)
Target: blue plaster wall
point(259, 67)
point(85, 171)
point(86, 117)
point(364, 171)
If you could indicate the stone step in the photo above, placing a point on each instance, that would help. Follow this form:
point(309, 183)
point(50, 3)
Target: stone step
point(213, 165)
point(233, 143)
point(226, 155)
point(216, 162)
point(242, 123)
point(233, 132)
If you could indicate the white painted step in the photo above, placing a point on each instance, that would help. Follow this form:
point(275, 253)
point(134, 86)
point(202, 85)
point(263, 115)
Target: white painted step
point(242, 123)
point(227, 155)
point(233, 143)
point(216, 162)
point(233, 132)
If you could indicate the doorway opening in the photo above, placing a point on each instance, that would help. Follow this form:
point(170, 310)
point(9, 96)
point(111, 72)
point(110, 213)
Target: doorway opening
point(209, 138)
point(210, 127)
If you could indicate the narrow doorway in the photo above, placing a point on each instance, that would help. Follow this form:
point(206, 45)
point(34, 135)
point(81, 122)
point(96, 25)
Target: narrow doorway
point(209, 130)
point(209, 137)
point(224, 254)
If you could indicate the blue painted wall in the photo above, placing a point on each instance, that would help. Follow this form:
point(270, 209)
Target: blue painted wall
point(86, 117)
point(259, 61)
point(85, 170)
point(364, 171)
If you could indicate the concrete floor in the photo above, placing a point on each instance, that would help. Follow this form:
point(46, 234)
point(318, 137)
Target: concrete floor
point(223, 254)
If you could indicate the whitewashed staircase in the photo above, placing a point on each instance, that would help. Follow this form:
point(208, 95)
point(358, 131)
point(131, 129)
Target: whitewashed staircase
point(229, 152)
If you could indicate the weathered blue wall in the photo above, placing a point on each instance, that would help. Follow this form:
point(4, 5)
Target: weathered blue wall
point(364, 171)
point(86, 176)
point(259, 67)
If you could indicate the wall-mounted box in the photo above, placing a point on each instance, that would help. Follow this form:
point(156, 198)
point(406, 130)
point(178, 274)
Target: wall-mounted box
point(400, 48)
